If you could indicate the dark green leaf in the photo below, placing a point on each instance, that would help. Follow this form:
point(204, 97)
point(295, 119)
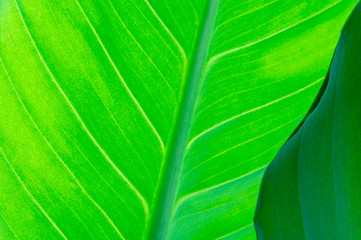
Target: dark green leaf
point(312, 190)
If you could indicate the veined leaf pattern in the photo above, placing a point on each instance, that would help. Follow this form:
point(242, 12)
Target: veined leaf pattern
point(151, 119)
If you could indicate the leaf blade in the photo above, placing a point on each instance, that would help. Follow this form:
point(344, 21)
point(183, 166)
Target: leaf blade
point(94, 98)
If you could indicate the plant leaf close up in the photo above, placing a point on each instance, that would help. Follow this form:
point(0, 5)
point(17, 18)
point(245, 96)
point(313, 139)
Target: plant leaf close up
point(151, 120)
point(312, 190)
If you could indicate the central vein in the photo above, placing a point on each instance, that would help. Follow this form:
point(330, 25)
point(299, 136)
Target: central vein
point(168, 192)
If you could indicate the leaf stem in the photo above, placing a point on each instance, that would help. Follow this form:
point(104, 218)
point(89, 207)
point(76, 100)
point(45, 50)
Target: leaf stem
point(172, 170)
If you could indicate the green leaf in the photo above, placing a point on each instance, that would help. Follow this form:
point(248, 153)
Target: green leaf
point(312, 188)
point(151, 120)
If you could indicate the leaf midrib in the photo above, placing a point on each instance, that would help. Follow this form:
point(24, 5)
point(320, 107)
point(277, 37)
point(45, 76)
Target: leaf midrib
point(175, 156)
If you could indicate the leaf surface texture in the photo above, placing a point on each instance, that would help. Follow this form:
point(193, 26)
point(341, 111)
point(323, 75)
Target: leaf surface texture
point(151, 119)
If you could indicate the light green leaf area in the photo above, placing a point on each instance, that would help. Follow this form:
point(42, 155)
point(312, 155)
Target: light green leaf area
point(151, 120)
